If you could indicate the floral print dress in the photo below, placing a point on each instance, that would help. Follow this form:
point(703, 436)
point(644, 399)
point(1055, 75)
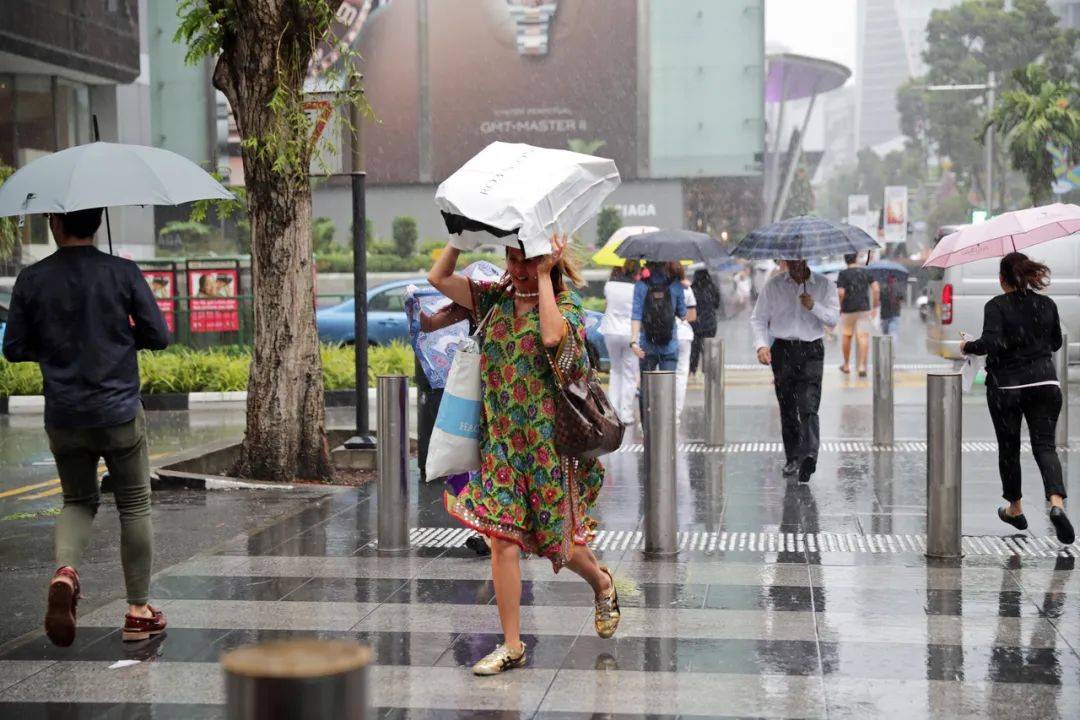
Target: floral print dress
point(525, 492)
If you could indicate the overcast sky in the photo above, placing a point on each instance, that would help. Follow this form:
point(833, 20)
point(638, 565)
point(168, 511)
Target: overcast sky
point(820, 28)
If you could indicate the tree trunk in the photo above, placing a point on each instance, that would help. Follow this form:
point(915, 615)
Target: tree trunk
point(263, 61)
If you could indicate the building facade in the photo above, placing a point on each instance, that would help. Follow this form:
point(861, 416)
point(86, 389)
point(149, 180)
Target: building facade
point(889, 47)
point(61, 65)
point(672, 90)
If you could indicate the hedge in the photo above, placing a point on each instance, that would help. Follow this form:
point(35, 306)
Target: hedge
point(183, 370)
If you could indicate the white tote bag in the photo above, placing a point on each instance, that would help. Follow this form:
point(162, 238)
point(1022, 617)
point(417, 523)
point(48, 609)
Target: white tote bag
point(454, 446)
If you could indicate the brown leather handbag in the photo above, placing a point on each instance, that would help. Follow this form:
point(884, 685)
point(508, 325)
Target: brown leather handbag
point(586, 424)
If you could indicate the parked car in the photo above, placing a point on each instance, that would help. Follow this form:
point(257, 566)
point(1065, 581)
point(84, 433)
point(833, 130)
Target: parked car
point(387, 321)
point(956, 296)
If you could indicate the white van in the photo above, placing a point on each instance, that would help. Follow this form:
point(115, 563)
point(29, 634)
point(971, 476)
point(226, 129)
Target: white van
point(957, 295)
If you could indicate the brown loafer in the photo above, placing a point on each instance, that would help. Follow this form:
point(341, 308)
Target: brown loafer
point(60, 611)
point(143, 628)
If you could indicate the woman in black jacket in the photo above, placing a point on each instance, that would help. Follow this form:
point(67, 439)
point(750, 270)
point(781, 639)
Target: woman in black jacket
point(1021, 331)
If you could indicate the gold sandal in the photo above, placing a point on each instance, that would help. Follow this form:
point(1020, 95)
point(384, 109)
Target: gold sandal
point(499, 660)
point(607, 610)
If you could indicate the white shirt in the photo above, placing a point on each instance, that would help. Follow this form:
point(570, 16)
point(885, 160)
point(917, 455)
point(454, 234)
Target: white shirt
point(620, 302)
point(779, 313)
point(683, 331)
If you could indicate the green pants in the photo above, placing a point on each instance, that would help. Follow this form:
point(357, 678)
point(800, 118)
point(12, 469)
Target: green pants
point(123, 447)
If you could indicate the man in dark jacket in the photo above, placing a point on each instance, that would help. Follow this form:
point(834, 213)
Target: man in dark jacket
point(82, 315)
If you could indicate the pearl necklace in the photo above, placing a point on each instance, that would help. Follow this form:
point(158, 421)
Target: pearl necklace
point(527, 296)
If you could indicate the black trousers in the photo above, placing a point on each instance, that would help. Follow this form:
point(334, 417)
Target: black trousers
point(797, 368)
point(1040, 406)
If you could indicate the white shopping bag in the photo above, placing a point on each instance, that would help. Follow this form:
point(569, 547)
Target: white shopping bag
point(455, 440)
point(520, 189)
point(972, 366)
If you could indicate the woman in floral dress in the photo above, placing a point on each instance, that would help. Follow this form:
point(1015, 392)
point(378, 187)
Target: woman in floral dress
point(526, 497)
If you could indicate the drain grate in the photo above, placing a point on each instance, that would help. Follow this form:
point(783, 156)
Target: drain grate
point(773, 542)
point(829, 446)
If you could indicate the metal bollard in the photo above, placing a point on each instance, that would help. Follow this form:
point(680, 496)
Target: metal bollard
point(658, 419)
point(944, 423)
point(392, 461)
point(1061, 365)
point(883, 390)
point(297, 680)
point(712, 352)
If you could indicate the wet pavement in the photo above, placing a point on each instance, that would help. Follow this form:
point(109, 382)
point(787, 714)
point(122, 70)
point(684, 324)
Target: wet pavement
point(785, 600)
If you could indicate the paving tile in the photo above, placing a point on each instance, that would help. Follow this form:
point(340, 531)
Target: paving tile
point(677, 694)
point(246, 614)
point(13, 672)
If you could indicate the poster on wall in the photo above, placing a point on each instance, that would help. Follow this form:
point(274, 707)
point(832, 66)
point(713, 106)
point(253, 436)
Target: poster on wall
point(213, 303)
point(163, 285)
point(896, 213)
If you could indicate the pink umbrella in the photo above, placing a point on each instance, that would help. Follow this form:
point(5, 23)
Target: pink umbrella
point(1006, 233)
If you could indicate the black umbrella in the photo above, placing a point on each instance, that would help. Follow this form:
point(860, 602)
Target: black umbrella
point(672, 246)
point(884, 269)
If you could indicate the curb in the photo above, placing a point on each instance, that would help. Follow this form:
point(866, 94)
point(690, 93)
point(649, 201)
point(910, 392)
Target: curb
point(35, 404)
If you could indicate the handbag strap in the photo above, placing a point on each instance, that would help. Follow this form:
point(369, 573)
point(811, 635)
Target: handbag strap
point(560, 380)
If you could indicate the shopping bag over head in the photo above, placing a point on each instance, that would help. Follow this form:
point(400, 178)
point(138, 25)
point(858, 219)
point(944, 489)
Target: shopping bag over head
point(512, 191)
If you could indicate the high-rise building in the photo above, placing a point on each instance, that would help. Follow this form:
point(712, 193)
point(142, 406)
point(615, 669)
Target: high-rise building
point(890, 43)
point(1068, 10)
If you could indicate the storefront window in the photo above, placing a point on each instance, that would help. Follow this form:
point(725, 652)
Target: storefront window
point(72, 114)
point(7, 121)
point(35, 130)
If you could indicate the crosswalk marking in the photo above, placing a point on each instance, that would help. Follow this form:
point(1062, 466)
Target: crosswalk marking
point(772, 542)
point(828, 446)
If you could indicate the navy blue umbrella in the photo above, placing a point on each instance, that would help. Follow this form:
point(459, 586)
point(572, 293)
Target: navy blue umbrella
point(803, 238)
point(672, 246)
point(884, 269)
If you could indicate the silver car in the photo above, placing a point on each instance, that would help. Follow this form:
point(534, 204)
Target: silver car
point(956, 296)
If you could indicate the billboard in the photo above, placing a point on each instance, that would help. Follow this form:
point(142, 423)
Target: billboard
point(212, 300)
point(561, 74)
point(163, 285)
point(896, 213)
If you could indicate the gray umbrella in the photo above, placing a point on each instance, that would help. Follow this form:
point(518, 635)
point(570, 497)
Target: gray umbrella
point(672, 246)
point(106, 175)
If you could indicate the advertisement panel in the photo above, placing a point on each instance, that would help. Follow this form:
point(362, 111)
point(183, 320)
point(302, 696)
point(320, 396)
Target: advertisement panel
point(896, 213)
point(213, 303)
point(549, 78)
point(163, 285)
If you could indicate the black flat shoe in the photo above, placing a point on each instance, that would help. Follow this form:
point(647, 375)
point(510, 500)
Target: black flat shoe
point(791, 468)
point(807, 469)
point(1065, 533)
point(1017, 521)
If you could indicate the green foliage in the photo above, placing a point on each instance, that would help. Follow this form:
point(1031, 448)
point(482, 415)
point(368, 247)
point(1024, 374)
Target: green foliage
point(379, 247)
point(1035, 111)
point(19, 378)
point(224, 369)
point(47, 512)
point(952, 210)
point(322, 235)
point(405, 235)
point(597, 304)
point(964, 43)
point(187, 229)
point(334, 262)
point(607, 222)
point(869, 177)
point(585, 147)
point(429, 246)
point(9, 226)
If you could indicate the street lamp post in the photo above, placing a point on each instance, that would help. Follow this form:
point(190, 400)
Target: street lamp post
point(990, 87)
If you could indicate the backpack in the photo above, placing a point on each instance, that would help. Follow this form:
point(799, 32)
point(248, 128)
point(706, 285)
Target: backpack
point(658, 320)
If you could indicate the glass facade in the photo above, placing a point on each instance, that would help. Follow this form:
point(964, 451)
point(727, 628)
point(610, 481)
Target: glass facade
point(40, 114)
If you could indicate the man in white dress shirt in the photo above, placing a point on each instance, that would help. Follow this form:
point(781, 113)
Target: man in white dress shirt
point(789, 320)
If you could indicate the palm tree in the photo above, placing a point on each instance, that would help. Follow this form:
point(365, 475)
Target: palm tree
point(1037, 111)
